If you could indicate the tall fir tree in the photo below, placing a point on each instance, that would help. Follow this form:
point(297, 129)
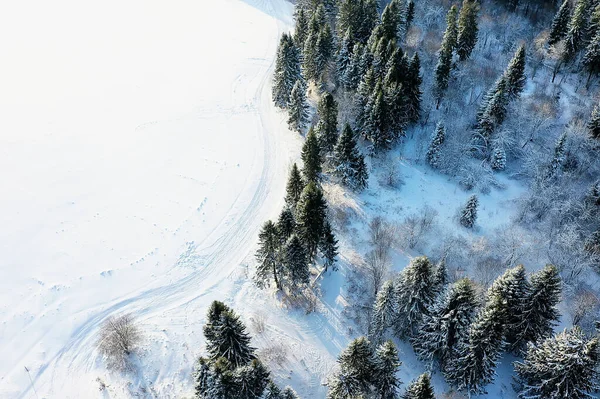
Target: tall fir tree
point(591, 58)
point(311, 158)
point(296, 262)
point(344, 60)
point(352, 76)
point(474, 365)
point(435, 146)
point(564, 366)
point(287, 71)
point(448, 324)
point(230, 340)
point(286, 225)
point(385, 311)
point(515, 74)
point(327, 128)
point(311, 216)
point(560, 23)
point(412, 88)
point(415, 294)
point(410, 15)
point(391, 20)
point(468, 215)
point(250, 380)
point(467, 29)
point(301, 28)
point(272, 391)
point(420, 388)
point(323, 56)
point(298, 107)
point(576, 29)
point(386, 364)
point(440, 277)
point(355, 377)
point(289, 393)
point(349, 163)
point(558, 157)
point(267, 255)
point(328, 246)
point(594, 123)
point(498, 161)
point(294, 187)
point(444, 64)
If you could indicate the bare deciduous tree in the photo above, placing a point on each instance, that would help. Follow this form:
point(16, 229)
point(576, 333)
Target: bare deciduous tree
point(585, 307)
point(415, 226)
point(119, 338)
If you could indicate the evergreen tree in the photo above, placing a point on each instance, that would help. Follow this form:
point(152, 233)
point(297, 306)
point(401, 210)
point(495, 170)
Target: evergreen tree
point(348, 162)
point(298, 107)
point(435, 146)
point(301, 29)
point(447, 324)
point(267, 256)
point(397, 67)
point(468, 215)
point(375, 128)
point(327, 129)
point(344, 60)
point(576, 29)
point(370, 19)
point(415, 294)
point(386, 366)
point(294, 187)
point(286, 224)
point(353, 74)
point(311, 217)
point(498, 158)
point(591, 59)
point(594, 123)
point(250, 380)
point(323, 54)
point(328, 246)
point(564, 366)
point(494, 108)
point(444, 64)
point(272, 391)
point(289, 393)
point(213, 319)
point(474, 365)
point(385, 310)
point(420, 388)
point(230, 340)
point(440, 277)
point(214, 379)
point(412, 88)
point(559, 156)
point(410, 15)
point(363, 100)
point(560, 23)
point(349, 19)
point(355, 377)
point(296, 262)
point(287, 71)
point(540, 314)
point(311, 157)
point(515, 74)
point(390, 20)
point(467, 29)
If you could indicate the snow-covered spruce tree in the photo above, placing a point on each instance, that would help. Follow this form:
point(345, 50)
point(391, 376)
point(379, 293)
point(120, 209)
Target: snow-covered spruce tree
point(395, 106)
point(343, 60)
point(391, 20)
point(375, 128)
point(327, 128)
point(250, 380)
point(385, 311)
point(467, 29)
point(514, 290)
point(498, 161)
point(289, 393)
point(272, 391)
point(309, 53)
point(540, 315)
point(267, 256)
point(493, 110)
point(298, 107)
point(515, 74)
point(435, 146)
point(301, 27)
point(468, 215)
point(386, 364)
point(397, 67)
point(420, 388)
point(474, 364)
point(324, 51)
point(410, 15)
point(214, 379)
point(594, 123)
point(412, 89)
point(564, 366)
point(560, 23)
point(353, 75)
point(440, 277)
point(576, 29)
point(415, 294)
point(229, 340)
point(349, 163)
point(328, 246)
point(559, 156)
point(287, 71)
point(447, 324)
point(362, 100)
point(311, 217)
point(444, 64)
point(294, 187)
point(286, 224)
point(311, 158)
point(295, 262)
point(355, 377)
point(591, 59)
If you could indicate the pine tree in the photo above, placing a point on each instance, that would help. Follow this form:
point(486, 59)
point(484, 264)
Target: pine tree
point(348, 162)
point(385, 310)
point(301, 29)
point(540, 315)
point(230, 340)
point(564, 366)
point(435, 146)
point(514, 290)
point(323, 55)
point(289, 393)
point(386, 364)
point(287, 71)
point(390, 20)
point(444, 64)
point(311, 217)
point(559, 156)
point(355, 377)
point(298, 107)
point(353, 74)
point(591, 59)
point(214, 379)
point(447, 324)
point(370, 14)
point(560, 23)
point(286, 224)
point(594, 123)
point(363, 100)
point(251, 380)
point(412, 88)
point(467, 29)
point(311, 157)
point(415, 294)
point(375, 127)
point(213, 319)
point(494, 107)
point(468, 215)
point(296, 263)
point(515, 74)
point(327, 129)
point(344, 60)
point(420, 388)
point(498, 158)
point(474, 365)
point(328, 246)
point(294, 187)
point(576, 29)
point(410, 15)
point(267, 256)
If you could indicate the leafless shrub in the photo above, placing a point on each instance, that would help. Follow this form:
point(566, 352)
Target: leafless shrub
point(415, 226)
point(510, 242)
point(119, 338)
point(382, 234)
point(377, 266)
point(584, 308)
point(276, 353)
point(258, 322)
point(487, 269)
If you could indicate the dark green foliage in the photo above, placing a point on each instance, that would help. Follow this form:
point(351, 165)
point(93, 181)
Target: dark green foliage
point(298, 107)
point(385, 310)
point(467, 29)
point(311, 157)
point(435, 146)
point(328, 246)
point(353, 74)
point(267, 255)
point(272, 391)
point(286, 225)
point(468, 215)
point(311, 217)
point(576, 30)
point(410, 14)
point(349, 163)
point(564, 366)
point(440, 277)
point(344, 61)
point(301, 28)
point(591, 59)
point(355, 377)
point(412, 88)
point(287, 71)
point(289, 393)
point(229, 340)
point(327, 129)
point(250, 380)
point(296, 262)
point(386, 364)
point(420, 388)
point(515, 74)
point(560, 23)
point(390, 20)
point(360, 16)
point(294, 187)
point(444, 64)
